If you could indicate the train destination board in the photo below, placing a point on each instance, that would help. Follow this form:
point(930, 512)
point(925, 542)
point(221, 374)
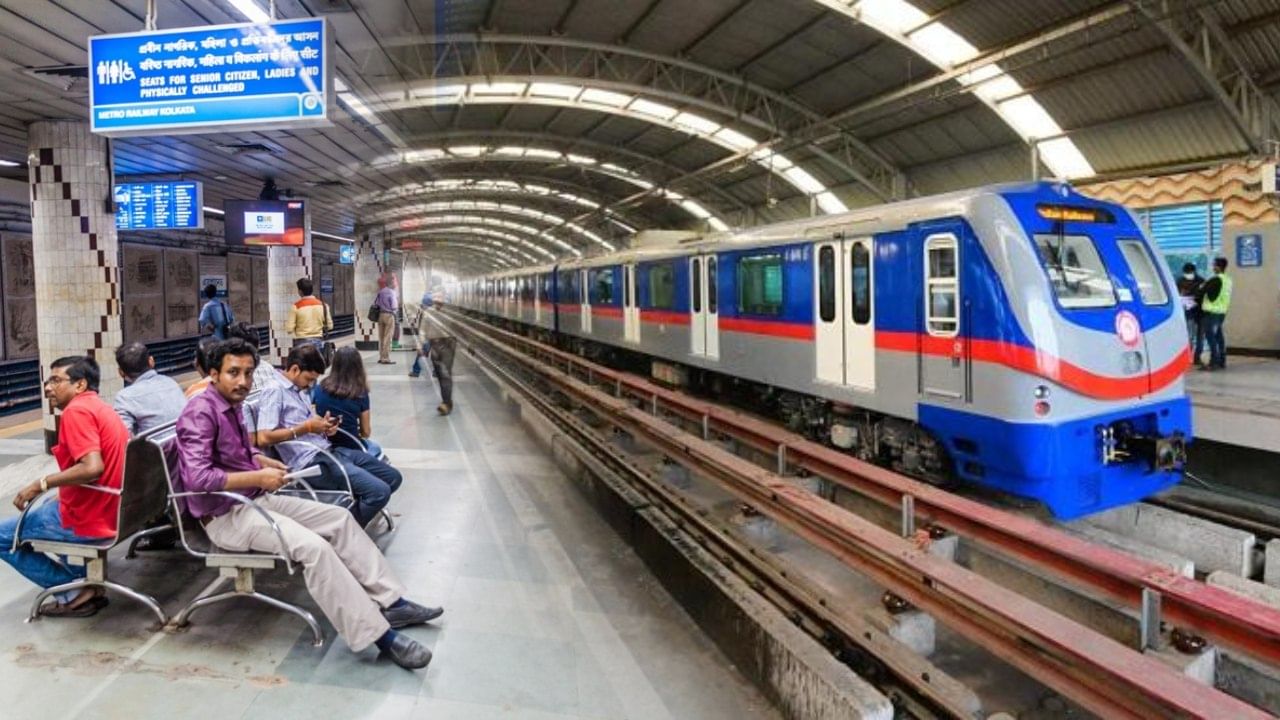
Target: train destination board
point(201, 79)
point(159, 206)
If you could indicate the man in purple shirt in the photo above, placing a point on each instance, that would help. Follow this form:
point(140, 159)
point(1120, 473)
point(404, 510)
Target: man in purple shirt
point(344, 571)
point(386, 304)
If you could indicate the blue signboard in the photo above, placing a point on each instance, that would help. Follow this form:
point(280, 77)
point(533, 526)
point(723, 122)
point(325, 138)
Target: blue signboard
point(347, 255)
point(1248, 251)
point(159, 206)
point(202, 79)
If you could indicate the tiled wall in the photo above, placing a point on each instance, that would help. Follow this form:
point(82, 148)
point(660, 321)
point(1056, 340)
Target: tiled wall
point(369, 246)
point(284, 266)
point(74, 248)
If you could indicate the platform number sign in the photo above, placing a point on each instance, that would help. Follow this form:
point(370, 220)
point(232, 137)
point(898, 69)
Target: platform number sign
point(1248, 251)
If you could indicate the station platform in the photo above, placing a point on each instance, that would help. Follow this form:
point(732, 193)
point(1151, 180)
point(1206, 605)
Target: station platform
point(1239, 405)
point(548, 614)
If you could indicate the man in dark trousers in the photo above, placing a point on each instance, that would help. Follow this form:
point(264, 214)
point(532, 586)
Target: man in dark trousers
point(1215, 304)
point(1189, 289)
point(439, 346)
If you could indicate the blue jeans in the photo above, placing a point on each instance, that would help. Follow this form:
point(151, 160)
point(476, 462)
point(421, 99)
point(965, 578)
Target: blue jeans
point(372, 447)
point(372, 481)
point(42, 523)
point(417, 359)
point(1211, 328)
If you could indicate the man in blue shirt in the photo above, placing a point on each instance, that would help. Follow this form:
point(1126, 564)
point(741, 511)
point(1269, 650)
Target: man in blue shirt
point(150, 399)
point(285, 416)
point(215, 316)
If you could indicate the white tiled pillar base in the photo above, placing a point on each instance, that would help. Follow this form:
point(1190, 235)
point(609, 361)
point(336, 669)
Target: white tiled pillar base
point(285, 265)
point(368, 268)
point(75, 251)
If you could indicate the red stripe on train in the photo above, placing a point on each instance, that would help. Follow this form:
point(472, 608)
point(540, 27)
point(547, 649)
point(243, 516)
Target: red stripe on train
point(664, 317)
point(606, 311)
point(1036, 362)
point(772, 328)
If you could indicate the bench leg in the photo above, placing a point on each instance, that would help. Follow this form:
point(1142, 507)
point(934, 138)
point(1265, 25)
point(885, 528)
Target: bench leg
point(391, 524)
point(244, 588)
point(106, 584)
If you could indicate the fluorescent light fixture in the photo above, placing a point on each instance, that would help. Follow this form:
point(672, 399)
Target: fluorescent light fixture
point(468, 150)
point(440, 91)
point(332, 237)
point(510, 151)
point(213, 210)
point(580, 159)
point(695, 209)
point(941, 45)
point(735, 139)
point(502, 88)
point(250, 10)
point(717, 224)
point(9, 163)
point(416, 156)
point(1064, 159)
point(829, 203)
point(545, 154)
point(894, 16)
point(658, 110)
point(554, 90)
point(605, 97)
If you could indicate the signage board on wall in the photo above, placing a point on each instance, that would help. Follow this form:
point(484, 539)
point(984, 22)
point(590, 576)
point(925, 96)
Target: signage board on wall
point(347, 254)
point(201, 79)
point(1248, 251)
point(218, 281)
point(159, 206)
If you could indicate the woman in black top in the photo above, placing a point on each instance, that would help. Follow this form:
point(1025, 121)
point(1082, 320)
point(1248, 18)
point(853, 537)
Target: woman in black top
point(344, 393)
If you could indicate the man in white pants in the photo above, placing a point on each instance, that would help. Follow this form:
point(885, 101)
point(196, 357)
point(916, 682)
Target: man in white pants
point(345, 572)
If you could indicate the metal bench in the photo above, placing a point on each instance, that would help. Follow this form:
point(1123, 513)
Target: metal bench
point(239, 567)
point(347, 497)
point(142, 494)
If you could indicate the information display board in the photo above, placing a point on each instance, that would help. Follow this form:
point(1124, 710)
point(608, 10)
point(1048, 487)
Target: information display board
point(159, 206)
point(347, 254)
point(201, 79)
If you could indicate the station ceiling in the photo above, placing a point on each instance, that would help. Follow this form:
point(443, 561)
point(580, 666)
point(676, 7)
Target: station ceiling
point(501, 132)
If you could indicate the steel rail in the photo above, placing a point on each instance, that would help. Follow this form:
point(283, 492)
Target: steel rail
point(1224, 617)
point(1095, 671)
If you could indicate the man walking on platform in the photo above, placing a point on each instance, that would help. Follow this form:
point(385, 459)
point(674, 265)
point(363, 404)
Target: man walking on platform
point(1216, 303)
point(439, 346)
point(344, 570)
point(386, 303)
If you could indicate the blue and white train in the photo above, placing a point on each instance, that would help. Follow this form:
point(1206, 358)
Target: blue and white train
point(1024, 337)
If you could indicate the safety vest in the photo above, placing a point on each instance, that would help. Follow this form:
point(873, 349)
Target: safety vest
point(1223, 303)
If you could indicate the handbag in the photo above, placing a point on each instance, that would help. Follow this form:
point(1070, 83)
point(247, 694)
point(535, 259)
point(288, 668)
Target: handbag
point(374, 312)
point(327, 348)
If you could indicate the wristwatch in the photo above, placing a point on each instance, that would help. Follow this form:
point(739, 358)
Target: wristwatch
point(44, 484)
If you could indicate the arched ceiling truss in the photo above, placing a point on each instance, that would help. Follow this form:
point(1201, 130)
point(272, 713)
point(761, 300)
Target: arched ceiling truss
point(410, 216)
point(517, 236)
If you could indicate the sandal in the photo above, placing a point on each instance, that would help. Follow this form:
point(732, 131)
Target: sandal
point(85, 609)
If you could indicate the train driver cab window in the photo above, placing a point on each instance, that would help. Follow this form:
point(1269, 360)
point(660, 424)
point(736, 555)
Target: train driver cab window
point(860, 282)
point(827, 283)
point(1150, 285)
point(662, 286)
point(602, 287)
point(760, 285)
point(1076, 272)
point(942, 311)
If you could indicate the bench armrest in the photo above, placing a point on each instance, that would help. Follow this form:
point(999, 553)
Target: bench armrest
point(334, 458)
point(284, 546)
point(355, 438)
point(17, 530)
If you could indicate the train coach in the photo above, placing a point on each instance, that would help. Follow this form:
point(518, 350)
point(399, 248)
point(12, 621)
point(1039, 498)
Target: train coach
point(1024, 338)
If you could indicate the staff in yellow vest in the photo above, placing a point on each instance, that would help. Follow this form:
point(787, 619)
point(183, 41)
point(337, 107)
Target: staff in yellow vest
point(1216, 303)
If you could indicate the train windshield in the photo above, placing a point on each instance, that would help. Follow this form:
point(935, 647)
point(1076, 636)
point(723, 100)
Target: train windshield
point(1077, 274)
point(1150, 286)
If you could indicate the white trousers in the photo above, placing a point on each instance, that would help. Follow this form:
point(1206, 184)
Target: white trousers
point(345, 572)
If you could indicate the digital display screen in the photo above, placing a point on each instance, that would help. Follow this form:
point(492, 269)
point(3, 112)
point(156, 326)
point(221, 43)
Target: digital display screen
point(159, 206)
point(265, 222)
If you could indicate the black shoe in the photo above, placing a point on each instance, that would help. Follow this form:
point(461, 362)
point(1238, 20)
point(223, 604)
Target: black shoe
point(410, 613)
point(408, 653)
point(413, 374)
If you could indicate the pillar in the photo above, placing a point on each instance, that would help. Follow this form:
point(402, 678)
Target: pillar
point(370, 244)
point(75, 253)
point(285, 265)
point(414, 284)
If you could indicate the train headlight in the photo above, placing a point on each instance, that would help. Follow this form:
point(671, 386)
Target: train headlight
point(1042, 408)
point(1041, 392)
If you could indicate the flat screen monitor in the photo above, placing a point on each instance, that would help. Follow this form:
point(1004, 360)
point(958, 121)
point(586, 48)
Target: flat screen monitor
point(265, 222)
point(159, 206)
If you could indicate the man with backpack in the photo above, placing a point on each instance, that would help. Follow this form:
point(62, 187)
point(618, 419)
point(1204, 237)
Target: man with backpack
point(215, 316)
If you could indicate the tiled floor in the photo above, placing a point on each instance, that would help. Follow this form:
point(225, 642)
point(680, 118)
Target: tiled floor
point(548, 615)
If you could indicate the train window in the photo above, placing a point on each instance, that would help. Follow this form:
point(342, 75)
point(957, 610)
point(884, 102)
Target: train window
point(827, 283)
point(602, 286)
point(760, 285)
point(1075, 270)
point(1150, 286)
point(860, 282)
point(626, 288)
point(662, 286)
point(695, 269)
point(711, 285)
point(942, 310)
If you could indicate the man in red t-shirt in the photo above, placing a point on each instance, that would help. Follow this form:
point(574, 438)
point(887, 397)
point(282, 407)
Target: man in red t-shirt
point(90, 453)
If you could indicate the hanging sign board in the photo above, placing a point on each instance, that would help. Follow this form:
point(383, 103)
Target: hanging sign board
point(159, 206)
point(347, 254)
point(202, 79)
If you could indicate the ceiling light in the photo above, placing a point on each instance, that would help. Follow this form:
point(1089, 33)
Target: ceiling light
point(696, 123)
point(605, 97)
point(502, 88)
point(468, 150)
point(1028, 117)
point(251, 10)
point(9, 163)
point(658, 110)
point(554, 90)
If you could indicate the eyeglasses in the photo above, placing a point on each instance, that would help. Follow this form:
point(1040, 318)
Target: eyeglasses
point(54, 381)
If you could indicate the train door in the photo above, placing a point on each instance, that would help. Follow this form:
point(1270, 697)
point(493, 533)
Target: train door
point(584, 295)
point(943, 360)
point(630, 309)
point(845, 335)
point(537, 298)
point(704, 331)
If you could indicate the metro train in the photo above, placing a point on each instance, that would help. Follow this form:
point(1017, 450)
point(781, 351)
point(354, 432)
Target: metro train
point(1024, 338)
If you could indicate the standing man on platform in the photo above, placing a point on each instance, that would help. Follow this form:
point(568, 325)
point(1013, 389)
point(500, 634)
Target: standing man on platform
point(346, 574)
point(1189, 290)
point(309, 318)
point(90, 453)
point(438, 346)
point(386, 303)
point(215, 316)
point(1216, 303)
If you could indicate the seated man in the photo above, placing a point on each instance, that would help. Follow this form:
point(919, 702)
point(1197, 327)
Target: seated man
point(201, 363)
point(344, 571)
point(149, 399)
point(285, 415)
point(90, 451)
point(264, 374)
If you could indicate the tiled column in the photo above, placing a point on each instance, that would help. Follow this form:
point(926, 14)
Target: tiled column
point(416, 281)
point(75, 253)
point(370, 243)
point(285, 265)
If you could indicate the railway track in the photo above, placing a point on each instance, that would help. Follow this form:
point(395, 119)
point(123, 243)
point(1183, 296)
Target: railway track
point(1094, 671)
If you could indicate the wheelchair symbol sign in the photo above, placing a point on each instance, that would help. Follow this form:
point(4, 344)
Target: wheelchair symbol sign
point(1248, 251)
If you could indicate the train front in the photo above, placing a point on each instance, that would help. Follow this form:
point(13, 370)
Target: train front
point(1098, 331)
